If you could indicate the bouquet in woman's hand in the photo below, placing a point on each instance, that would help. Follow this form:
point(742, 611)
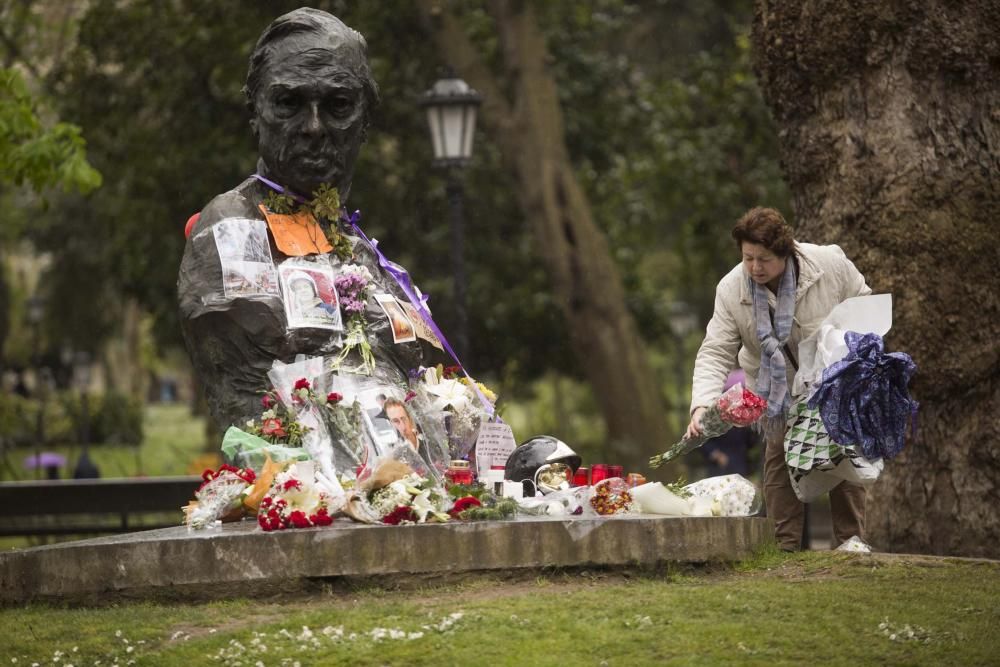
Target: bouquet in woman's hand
point(738, 406)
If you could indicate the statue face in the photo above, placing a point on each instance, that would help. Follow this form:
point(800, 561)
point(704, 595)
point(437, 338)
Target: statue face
point(311, 113)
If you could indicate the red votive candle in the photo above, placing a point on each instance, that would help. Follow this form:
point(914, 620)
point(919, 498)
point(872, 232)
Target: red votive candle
point(459, 472)
point(616, 471)
point(598, 472)
point(581, 477)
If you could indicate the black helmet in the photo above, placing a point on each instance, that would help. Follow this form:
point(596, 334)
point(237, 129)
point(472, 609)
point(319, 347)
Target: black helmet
point(532, 454)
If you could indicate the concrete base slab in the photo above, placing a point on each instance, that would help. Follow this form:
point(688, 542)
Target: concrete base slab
point(240, 553)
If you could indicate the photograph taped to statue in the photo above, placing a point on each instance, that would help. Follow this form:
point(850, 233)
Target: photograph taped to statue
point(310, 297)
point(402, 329)
point(245, 257)
point(310, 92)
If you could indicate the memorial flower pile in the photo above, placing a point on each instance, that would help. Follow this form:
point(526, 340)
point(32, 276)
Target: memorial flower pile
point(295, 500)
point(412, 499)
point(738, 406)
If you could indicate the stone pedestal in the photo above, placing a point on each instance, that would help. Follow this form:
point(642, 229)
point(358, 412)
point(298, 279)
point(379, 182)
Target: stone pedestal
point(240, 557)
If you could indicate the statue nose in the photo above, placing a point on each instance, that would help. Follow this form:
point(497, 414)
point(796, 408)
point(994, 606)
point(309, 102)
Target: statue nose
point(313, 123)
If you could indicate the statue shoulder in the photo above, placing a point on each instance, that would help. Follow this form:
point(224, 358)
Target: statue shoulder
point(240, 202)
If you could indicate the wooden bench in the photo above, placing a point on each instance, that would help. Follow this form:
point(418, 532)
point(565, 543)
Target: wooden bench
point(88, 506)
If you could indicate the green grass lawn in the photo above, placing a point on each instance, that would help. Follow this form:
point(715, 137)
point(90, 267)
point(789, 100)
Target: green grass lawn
point(173, 440)
point(809, 608)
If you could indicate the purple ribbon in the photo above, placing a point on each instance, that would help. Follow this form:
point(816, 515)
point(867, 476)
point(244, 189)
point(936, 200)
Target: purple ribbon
point(274, 186)
point(402, 278)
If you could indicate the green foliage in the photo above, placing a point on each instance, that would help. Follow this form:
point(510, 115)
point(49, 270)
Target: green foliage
point(35, 155)
point(111, 418)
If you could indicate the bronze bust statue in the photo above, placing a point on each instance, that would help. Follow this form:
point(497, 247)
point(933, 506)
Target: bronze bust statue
point(311, 94)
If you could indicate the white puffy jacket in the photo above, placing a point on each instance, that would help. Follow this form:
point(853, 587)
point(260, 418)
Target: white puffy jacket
point(826, 278)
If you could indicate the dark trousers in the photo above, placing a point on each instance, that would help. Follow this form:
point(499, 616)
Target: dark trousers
point(847, 500)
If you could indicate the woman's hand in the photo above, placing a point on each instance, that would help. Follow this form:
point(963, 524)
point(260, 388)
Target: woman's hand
point(694, 428)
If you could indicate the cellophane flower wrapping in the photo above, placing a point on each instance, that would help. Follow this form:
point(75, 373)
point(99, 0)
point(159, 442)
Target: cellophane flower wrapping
point(730, 495)
point(457, 403)
point(738, 406)
point(611, 496)
point(221, 495)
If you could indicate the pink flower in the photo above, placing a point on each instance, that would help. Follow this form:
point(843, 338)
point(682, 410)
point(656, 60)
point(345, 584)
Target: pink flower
point(273, 427)
point(267, 401)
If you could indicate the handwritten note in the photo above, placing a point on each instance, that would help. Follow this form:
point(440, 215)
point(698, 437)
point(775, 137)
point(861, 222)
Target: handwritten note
point(494, 444)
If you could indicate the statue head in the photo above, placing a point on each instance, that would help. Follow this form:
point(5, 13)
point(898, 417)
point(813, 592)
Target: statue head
point(311, 93)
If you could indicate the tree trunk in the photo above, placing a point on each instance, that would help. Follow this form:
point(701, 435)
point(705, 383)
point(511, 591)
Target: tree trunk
point(528, 124)
point(889, 120)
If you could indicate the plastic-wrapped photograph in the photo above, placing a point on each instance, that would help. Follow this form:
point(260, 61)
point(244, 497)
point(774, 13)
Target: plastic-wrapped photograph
point(245, 255)
point(310, 297)
point(403, 330)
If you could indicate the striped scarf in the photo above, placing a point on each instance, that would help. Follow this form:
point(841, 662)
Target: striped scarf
point(772, 381)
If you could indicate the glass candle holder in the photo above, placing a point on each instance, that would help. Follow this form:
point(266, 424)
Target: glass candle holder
point(598, 473)
point(616, 471)
point(582, 476)
point(459, 472)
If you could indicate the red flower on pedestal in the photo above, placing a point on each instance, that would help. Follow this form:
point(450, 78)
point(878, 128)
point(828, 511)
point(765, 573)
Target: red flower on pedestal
point(299, 519)
point(463, 504)
point(399, 515)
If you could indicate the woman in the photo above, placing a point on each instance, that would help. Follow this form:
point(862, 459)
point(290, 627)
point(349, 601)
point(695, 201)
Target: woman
point(779, 295)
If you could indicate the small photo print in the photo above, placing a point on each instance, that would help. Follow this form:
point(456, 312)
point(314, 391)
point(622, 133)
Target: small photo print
point(248, 279)
point(245, 256)
point(310, 297)
point(402, 328)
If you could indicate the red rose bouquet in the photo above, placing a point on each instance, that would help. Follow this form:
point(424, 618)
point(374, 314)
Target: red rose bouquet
point(738, 406)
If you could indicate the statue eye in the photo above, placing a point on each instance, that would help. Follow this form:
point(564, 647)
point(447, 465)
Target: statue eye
point(285, 103)
point(340, 105)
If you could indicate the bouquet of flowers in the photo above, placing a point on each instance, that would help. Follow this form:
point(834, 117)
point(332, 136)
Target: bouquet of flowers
point(353, 286)
point(277, 424)
point(457, 403)
point(299, 497)
point(395, 495)
point(738, 406)
point(611, 496)
point(220, 496)
point(729, 495)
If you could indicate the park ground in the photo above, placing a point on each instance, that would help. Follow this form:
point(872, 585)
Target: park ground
point(807, 608)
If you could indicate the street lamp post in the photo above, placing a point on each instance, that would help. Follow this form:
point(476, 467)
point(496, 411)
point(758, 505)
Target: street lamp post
point(35, 313)
point(451, 107)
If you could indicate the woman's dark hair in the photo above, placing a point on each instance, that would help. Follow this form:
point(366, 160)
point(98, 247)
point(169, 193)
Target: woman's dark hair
point(766, 227)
